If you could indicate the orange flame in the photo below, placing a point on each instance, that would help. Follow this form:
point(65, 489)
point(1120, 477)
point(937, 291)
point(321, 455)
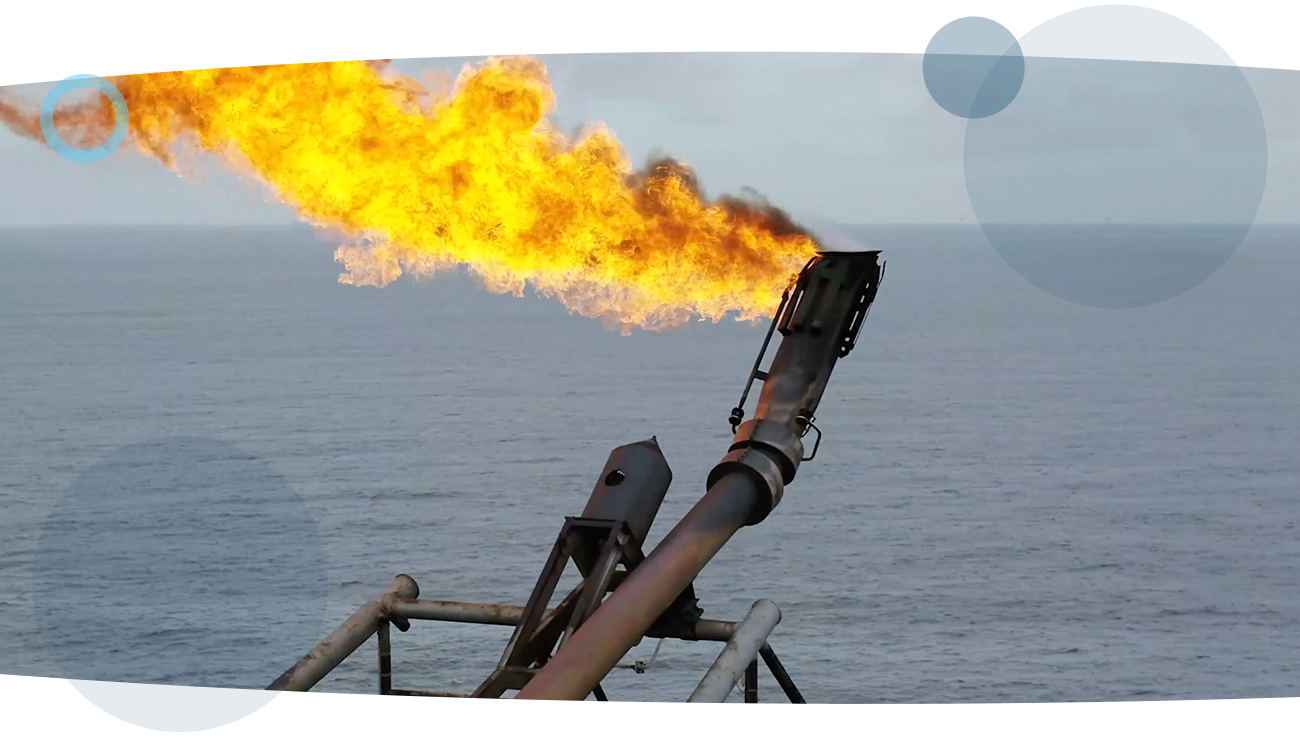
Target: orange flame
point(477, 178)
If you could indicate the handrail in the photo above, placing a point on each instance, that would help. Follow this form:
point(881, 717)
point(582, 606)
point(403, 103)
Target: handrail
point(399, 604)
point(740, 653)
point(345, 640)
point(509, 615)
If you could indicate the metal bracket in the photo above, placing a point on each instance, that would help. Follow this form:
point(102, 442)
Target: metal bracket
point(598, 547)
point(806, 422)
point(738, 412)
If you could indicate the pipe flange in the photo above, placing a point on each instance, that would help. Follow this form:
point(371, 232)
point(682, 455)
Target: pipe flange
point(780, 439)
point(762, 471)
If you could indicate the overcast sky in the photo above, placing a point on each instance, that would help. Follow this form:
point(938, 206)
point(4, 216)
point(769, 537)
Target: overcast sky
point(843, 138)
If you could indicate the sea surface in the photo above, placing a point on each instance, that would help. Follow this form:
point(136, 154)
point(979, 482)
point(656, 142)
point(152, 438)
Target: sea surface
point(1017, 499)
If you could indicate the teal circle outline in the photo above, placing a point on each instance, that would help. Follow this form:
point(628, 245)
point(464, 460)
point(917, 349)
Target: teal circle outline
point(67, 151)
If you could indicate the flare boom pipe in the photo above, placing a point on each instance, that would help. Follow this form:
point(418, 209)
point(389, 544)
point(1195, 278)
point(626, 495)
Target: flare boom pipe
point(819, 321)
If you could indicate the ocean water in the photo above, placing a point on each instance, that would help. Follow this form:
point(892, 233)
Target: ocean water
point(1017, 499)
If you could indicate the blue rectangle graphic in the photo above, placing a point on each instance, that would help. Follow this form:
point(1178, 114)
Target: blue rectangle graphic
point(90, 707)
point(1191, 33)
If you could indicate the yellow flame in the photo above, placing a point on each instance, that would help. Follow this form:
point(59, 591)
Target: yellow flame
point(478, 177)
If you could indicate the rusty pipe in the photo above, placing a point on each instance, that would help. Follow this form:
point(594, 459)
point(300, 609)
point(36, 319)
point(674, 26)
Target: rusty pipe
point(458, 612)
point(819, 321)
point(451, 611)
point(345, 640)
point(645, 594)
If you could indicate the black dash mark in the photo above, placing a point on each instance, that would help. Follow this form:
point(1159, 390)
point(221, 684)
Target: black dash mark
point(50, 77)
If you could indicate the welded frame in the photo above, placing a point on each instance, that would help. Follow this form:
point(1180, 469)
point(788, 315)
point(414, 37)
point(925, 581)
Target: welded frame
point(706, 630)
point(400, 605)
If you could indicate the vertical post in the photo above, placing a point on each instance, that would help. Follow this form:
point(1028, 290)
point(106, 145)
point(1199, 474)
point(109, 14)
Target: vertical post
point(751, 682)
point(385, 661)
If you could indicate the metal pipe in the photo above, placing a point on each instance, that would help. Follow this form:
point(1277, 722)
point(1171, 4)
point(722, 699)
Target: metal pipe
point(345, 639)
point(706, 631)
point(457, 612)
point(782, 677)
point(510, 615)
point(819, 325)
point(647, 592)
point(740, 653)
